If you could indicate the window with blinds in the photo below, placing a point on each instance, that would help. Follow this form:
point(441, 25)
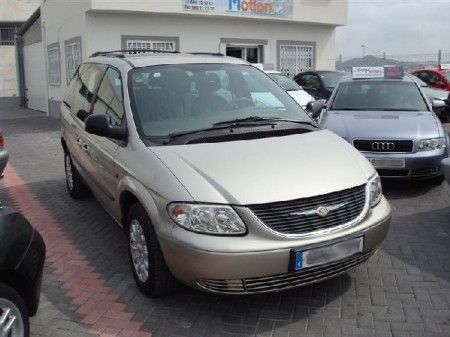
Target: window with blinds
point(73, 58)
point(148, 44)
point(54, 66)
point(296, 58)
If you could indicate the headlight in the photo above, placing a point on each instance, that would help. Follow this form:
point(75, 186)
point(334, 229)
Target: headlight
point(375, 190)
point(431, 144)
point(207, 219)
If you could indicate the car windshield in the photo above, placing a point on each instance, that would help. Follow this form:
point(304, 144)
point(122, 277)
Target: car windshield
point(174, 99)
point(447, 75)
point(285, 82)
point(378, 95)
point(331, 79)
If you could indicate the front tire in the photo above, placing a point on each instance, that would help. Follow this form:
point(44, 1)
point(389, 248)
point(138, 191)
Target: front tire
point(75, 185)
point(150, 271)
point(14, 320)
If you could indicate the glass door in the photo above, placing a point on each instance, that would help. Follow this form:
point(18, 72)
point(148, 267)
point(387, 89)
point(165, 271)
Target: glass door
point(252, 54)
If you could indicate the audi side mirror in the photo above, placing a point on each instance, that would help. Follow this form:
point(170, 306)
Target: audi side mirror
point(314, 108)
point(100, 125)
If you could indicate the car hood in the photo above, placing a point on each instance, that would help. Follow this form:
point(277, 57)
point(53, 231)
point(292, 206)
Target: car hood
point(301, 97)
point(268, 169)
point(434, 93)
point(381, 124)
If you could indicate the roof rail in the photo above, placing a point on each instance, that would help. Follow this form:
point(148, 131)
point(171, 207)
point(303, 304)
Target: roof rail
point(121, 52)
point(206, 53)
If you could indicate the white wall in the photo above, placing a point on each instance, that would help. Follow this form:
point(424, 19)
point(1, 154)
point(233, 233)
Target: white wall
point(17, 10)
point(332, 12)
point(204, 34)
point(63, 20)
point(8, 72)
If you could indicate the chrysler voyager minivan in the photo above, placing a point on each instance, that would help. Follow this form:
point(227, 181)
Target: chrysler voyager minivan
point(219, 178)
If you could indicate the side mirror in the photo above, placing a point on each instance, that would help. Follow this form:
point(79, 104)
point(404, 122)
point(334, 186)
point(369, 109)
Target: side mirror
point(314, 108)
point(437, 104)
point(100, 125)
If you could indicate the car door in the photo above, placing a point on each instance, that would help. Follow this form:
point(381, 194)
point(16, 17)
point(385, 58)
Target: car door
point(101, 151)
point(78, 101)
point(311, 84)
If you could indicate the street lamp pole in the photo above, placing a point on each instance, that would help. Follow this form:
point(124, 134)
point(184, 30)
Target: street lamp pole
point(363, 46)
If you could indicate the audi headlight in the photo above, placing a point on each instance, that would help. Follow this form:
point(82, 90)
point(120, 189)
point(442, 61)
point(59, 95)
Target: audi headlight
point(207, 219)
point(431, 144)
point(375, 190)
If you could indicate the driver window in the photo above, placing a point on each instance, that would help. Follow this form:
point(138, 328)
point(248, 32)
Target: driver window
point(310, 82)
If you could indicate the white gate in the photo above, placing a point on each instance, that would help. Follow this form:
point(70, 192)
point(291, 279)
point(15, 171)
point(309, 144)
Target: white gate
point(35, 79)
point(296, 58)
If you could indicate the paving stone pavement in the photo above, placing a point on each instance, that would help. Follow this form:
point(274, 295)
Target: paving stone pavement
point(404, 290)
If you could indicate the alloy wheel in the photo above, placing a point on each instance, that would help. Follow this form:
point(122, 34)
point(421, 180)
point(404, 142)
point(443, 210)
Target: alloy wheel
point(11, 322)
point(139, 251)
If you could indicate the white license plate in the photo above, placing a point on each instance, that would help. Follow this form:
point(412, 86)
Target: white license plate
point(323, 255)
point(388, 163)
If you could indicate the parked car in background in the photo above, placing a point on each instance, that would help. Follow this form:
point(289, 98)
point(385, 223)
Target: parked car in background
point(319, 84)
point(446, 168)
point(436, 94)
point(22, 255)
point(4, 156)
point(385, 116)
point(203, 173)
point(435, 77)
point(292, 88)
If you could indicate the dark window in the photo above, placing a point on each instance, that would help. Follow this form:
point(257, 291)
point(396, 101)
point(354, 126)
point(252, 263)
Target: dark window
point(109, 99)
point(7, 33)
point(309, 81)
point(82, 89)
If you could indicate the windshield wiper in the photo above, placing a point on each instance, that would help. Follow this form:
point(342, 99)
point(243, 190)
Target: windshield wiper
point(257, 119)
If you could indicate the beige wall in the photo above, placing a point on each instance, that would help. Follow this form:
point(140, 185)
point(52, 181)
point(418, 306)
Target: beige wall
point(17, 10)
point(332, 12)
point(8, 81)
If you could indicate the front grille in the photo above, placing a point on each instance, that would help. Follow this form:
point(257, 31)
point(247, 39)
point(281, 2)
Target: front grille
point(392, 146)
point(392, 173)
point(285, 281)
point(278, 215)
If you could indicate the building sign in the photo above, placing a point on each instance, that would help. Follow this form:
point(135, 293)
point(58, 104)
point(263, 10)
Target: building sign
point(279, 8)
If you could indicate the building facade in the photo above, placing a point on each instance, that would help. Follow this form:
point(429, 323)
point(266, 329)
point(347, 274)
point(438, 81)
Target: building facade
point(292, 35)
point(13, 13)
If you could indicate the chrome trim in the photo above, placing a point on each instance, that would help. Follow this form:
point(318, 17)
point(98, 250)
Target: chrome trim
point(322, 211)
point(358, 219)
point(413, 148)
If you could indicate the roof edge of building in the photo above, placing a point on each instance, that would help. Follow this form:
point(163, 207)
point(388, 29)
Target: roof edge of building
point(30, 21)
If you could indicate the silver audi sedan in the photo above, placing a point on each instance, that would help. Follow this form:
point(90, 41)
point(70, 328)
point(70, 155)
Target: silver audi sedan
point(392, 123)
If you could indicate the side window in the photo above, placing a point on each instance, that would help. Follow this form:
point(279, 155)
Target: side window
point(109, 99)
point(82, 89)
point(309, 82)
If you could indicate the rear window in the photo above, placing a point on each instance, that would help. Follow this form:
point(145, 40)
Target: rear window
point(393, 96)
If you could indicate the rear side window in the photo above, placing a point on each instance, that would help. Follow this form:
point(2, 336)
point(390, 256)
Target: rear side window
point(109, 99)
point(82, 89)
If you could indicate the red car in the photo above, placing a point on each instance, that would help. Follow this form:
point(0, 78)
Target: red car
point(435, 77)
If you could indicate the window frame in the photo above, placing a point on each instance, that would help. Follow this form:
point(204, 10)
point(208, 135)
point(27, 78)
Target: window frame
point(54, 72)
point(67, 43)
point(152, 39)
point(296, 44)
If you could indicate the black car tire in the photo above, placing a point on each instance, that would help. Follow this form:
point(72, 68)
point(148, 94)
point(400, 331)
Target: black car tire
point(77, 189)
point(159, 281)
point(8, 293)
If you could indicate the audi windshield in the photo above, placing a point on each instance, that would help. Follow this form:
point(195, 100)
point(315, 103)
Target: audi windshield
point(379, 96)
point(174, 99)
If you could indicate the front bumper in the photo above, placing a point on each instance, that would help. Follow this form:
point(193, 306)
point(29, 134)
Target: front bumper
point(259, 261)
point(418, 165)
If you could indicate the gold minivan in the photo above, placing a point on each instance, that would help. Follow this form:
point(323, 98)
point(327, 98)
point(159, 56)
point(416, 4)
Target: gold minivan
point(219, 178)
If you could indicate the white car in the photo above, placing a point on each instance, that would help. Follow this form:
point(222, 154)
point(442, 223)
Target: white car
point(292, 88)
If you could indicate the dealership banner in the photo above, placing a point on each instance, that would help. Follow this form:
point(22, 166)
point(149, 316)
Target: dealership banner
point(280, 8)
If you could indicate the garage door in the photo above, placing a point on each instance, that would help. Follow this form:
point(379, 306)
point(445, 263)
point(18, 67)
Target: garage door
point(35, 80)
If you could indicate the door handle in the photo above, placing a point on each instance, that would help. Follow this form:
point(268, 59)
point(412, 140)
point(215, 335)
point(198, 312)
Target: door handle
point(85, 147)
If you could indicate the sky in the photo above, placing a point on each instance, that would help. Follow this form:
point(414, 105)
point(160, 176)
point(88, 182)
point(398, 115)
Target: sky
point(395, 27)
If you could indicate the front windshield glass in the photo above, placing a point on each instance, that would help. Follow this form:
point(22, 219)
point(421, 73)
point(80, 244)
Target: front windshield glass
point(365, 95)
point(331, 79)
point(181, 98)
point(285, 82)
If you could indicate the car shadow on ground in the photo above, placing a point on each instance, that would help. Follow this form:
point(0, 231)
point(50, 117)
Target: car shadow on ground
point(187, 312)
point(400, 189)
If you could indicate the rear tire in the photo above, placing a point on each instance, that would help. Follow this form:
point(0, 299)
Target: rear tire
point(75, 185)
point(15, 312)
point(150, 271)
